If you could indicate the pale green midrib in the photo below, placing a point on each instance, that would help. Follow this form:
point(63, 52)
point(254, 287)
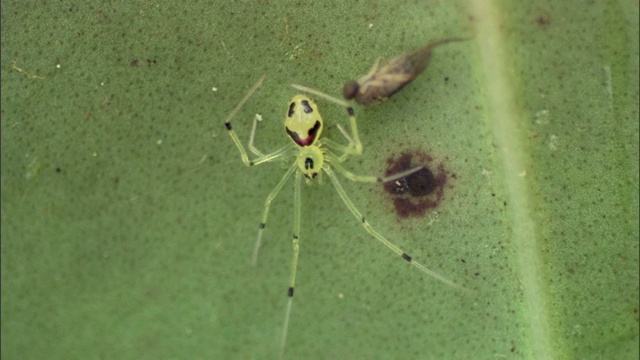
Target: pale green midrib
point(504, 120)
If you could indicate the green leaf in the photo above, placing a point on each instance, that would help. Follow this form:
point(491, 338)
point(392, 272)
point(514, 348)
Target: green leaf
point(128, 219)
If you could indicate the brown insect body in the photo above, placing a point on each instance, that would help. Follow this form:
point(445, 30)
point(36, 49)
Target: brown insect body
point(383, 81)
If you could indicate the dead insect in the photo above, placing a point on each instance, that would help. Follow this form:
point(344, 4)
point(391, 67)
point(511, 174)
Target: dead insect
point(382, 81)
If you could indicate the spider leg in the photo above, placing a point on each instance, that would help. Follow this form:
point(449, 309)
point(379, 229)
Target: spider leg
point(391, 246)
point(265, 212)
point(294, 262)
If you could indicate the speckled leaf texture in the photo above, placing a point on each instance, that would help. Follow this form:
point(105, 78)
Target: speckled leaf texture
point(129, 220)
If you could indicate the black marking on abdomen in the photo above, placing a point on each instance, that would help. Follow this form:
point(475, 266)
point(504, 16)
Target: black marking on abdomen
point(290, 292)
point(307, 108)
point(311, 135)
point(406, 257)
point(292, 109)
point(228, 125)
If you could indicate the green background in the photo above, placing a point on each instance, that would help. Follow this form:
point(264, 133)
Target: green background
point(128, 219)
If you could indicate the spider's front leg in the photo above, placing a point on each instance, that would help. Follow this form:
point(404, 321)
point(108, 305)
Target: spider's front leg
point(261, 158)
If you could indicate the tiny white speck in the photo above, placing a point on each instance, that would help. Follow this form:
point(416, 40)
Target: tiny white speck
point(159, 142)
point(258, 117)
point(433, 218)
point(553, 142)
point(58, 66)
point(577, 329)
point(340, 296)
point(541, 117)
point(95, 154)
point(214, 89)
point(102, 83)
point(370, 26)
